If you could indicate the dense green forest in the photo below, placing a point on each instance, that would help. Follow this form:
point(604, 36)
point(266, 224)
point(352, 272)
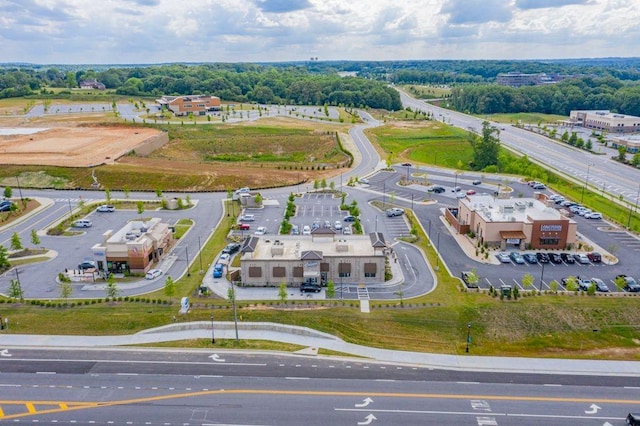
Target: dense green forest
point(583, 93)
point(239, 83)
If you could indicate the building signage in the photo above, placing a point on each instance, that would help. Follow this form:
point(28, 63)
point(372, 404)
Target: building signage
point(551, 228)
point(513, 240)
point(311, 264)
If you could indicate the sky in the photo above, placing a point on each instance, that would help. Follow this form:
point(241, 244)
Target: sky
point(156, 31)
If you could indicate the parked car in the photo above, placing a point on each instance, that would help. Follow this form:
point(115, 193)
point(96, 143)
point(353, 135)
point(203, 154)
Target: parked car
point(581, 258)
point(260, 230)
point(295, 230)
point(476, 182)
point(503, 257)
point(349, 218)
point(567, 258)
point(327, 224)
point(87, 264)
point(555, 258)
point(460, 194)
point(630, 284)
point(242, 190)
point(106, 208)
point(568, 203)
point(395, 212)
point(224, 258)
point(310, 288)
point(437, 189)
point(600, 285)
point(247, 218)
point(530, 258)
point(407, 164)
point(82, 223)
point(470, 279)
point(593, 215)
point(152, 274)
point(346, 230)
point(218, 270)
point(5, 205)
point(364, 181)
point(594, 257)
point(306, 230)
point(539, 186)
point(337, 225)
point(231, 248)
point(244, 226)
point(456, 189)
point(584, 212)
point(516, 258)
point(577, 279)
point(584, 284)
point(542, 257)
point(471, 192)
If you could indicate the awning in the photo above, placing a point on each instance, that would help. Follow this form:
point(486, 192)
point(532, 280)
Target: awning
point(512, 235)
point(311, 274)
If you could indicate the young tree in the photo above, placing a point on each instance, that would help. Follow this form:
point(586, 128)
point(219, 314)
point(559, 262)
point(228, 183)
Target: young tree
point(169, 288)
point(140, 207)
point(565, 137)
point(8, 192)
point(620, 283)
point(485, 147)
point(112, 290)
point(571, 283)
point(16, 243)
point(331, 289)
point(282, 292)
point(65, 289)
point(231, 294)
point(622, 154)
point(323, 183)
point(4, 258)
point(15, 290)
point(158, 192)
point(35, 238)
point(107, 194)
point(553, 285)
point(527, 280)
point(126, 191)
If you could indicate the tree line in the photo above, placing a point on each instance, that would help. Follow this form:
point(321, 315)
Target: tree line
point(587, 93)
point(237, 83)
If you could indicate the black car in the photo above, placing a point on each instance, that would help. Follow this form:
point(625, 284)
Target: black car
point(630, 284)
point(470, 279)
point(87, 264)
point(567, 258)
point(542, 257)
point(5, 206)
point(407, 164)
point(231, 248)
point(309, 288)
point(633, 419)
point(530, 258)
point(555, 258)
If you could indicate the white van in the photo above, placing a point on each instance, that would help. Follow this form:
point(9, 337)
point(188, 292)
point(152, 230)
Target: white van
point(82, 223)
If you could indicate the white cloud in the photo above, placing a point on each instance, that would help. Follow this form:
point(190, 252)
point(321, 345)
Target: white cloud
point(147, 31)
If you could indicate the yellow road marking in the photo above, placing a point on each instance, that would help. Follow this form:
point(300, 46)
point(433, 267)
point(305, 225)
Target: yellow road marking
point(85, 405)
point(1, 413)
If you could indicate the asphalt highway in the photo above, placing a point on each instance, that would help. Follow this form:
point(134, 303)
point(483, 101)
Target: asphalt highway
point(173, 387)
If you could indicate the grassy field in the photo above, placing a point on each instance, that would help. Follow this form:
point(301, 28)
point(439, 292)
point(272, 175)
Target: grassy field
point(427, 92)
point(524, 118)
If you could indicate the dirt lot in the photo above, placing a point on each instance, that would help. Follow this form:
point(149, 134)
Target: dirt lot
point(73, 146)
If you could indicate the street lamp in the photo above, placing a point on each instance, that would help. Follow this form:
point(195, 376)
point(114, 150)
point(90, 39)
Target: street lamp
point(438, 252)
point(636, 208)
point(200, 253)
point(186, 250)
point(541, 278)
point(468, 336)
point(586, 182)
point(213, 336)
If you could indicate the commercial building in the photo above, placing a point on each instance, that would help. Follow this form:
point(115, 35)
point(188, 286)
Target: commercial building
point(92, 84)
point(631, 142)
point(518, 79)
point(194, 104)
point(323, 256)
point(605, 121)
point(516, 222)
point(134, 248)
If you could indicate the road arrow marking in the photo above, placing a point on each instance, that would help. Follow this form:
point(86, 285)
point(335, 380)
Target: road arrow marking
point(607, 424)
point(216, 358)
point(594, 409)
point(5, 352)
point(368, 420)
point(365, 402)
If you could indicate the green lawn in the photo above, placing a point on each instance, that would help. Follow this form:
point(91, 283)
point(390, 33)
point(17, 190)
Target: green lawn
point(524, 118)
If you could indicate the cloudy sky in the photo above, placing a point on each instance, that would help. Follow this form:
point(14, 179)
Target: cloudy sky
point(152, 31)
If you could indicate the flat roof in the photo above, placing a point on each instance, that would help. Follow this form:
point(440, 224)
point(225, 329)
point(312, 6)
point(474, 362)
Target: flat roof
point(292, 247)
point(133, 230)
point(510, 209)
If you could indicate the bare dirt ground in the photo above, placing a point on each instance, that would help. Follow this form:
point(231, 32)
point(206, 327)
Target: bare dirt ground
point(72, 146)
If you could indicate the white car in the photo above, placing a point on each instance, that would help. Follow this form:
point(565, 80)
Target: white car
point(82, 223)
point(153, 274)
point(106, 208)
point(261, 230)
point(247, 218)
point(224, 258)
point(593, 215)
point(337, 225)
point(364, 181)
point(346, 230)
point(306, 230)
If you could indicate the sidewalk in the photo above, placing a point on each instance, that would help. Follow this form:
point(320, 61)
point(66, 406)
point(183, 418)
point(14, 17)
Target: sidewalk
point(315, 339)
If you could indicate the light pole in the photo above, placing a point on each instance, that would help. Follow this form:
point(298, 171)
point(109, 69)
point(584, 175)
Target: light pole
point(213, 336)
point(20, 191)
point(586, 182)
point(376, 223)
point(17, 276)
point(235, 311)
point(541, 278)
point(635, 209)
point(468, 336)
point(384, 193)
point(200, 253)
point(438, 252)
point(412, 201)
point(340, 286)
point(186, 250)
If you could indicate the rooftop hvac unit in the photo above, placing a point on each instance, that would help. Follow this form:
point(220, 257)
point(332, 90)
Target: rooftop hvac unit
point(512, 219)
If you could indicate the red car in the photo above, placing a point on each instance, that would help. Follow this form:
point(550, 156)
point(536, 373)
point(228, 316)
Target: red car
point(244, 226)
point(471, 192)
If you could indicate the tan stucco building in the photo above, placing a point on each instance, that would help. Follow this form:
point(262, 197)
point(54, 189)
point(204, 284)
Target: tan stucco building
point(134, 248)
point(195, 104)
point(606, 121)
point(318, 258)
point(517, 222)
